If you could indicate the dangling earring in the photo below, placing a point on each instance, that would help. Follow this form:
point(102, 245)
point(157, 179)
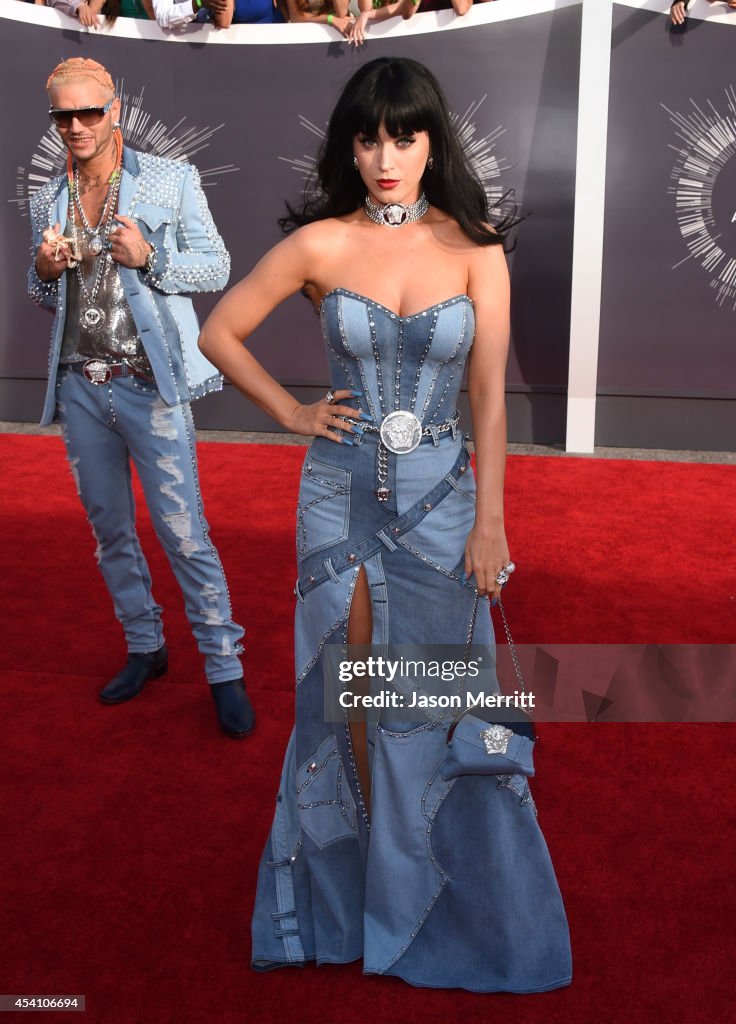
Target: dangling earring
point(116, 125)
point(355, 162)
point(430, 163)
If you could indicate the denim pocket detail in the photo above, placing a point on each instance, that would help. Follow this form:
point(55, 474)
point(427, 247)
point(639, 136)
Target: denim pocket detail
point(153, 216)
point(441, 535)
point(132, 383)
point(148, 387)
point(518, 785)
point(323, 512)
point(464, 484)
point(326, 805)
point(404, 730)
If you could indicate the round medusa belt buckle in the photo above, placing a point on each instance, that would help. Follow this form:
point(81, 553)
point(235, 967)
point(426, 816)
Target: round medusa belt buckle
point(97, 371)
point(401, 432)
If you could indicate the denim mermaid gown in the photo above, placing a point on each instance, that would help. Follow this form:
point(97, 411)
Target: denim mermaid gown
point(447, 883)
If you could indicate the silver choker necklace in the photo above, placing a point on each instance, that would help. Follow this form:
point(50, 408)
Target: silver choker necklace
point(395, 215)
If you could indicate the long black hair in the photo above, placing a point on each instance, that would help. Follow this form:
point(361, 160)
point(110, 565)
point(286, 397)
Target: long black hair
point(404, 97)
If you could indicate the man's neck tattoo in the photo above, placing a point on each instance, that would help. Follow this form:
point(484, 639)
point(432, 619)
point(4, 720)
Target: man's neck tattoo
point(87, 182)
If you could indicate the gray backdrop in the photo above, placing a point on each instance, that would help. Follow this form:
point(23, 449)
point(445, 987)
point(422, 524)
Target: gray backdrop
point(667, 360)
point(526, 69)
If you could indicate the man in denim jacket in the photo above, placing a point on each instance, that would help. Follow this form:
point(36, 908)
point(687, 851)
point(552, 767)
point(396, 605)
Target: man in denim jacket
point(119, 244)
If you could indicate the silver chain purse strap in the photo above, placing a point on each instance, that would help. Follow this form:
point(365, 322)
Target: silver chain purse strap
point(511, 646)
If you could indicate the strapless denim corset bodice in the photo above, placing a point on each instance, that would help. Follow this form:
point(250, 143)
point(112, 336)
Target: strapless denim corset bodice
point(413, 363)
point(446, 883)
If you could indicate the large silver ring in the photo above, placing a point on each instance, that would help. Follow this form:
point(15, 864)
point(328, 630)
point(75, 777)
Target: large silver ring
point(401, 432)
point(503, 575)
point(330, 397)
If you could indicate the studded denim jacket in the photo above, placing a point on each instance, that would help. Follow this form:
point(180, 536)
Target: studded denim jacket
point(166, 200)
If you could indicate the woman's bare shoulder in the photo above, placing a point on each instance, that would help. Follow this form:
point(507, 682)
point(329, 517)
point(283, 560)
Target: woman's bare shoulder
point(321, 235)
point(322, 246)
point(491, 255)
point(488, 274)
point(448, 233)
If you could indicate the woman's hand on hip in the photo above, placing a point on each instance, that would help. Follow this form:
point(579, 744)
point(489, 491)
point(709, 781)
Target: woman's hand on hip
point(328, 419)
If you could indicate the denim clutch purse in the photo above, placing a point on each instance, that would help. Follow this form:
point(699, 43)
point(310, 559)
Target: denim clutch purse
point(475, 747)
point(479, 747)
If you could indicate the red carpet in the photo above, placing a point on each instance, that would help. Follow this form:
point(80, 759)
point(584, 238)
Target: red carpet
point(131, 834)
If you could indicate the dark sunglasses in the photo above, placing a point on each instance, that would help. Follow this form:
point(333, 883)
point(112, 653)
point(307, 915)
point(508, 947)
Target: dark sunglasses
point(88, 116)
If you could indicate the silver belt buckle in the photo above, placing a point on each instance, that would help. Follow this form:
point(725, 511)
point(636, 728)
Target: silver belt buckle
point(97, 371)
point(401, 432)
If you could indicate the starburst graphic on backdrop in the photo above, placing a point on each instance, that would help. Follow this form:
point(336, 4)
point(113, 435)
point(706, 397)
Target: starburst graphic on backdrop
point(140, 131)
point(479, 150)
point(707, 145)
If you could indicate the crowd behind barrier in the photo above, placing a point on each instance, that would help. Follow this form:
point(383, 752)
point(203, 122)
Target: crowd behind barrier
point(350, 17)
point(678, 9)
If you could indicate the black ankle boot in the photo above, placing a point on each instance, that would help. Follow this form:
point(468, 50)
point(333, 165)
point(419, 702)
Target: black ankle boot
point(234, 710)
point(139, 668)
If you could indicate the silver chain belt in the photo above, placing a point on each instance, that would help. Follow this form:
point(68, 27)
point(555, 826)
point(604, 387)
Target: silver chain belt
point(400, 433)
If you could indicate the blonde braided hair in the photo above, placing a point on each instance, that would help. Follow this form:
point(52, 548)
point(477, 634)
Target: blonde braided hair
point(80, 67)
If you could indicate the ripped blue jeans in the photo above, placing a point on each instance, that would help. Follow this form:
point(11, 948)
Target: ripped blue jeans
point(104, 427)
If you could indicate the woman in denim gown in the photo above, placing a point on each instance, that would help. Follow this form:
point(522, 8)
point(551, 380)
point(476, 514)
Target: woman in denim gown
point(372, 852)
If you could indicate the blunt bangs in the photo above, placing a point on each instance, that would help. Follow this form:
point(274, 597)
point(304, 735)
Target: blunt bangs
point(402, 102)
point(397, 116)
